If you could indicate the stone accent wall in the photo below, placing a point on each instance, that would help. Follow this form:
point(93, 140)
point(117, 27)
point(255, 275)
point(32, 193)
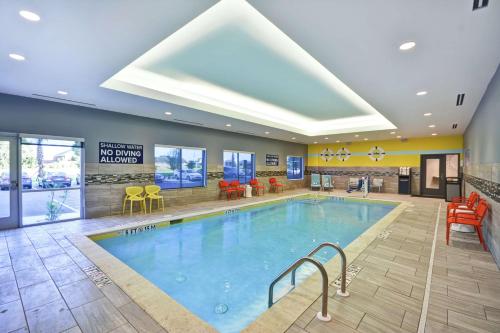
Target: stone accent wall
point(105, 185)
point(485, 179)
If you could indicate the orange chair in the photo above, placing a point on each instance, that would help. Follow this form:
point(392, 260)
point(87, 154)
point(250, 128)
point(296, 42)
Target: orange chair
point(475, 219)
point(225, 188)
point(275, 186)
point(235, 187)
point(462, 205)
point(257, 186)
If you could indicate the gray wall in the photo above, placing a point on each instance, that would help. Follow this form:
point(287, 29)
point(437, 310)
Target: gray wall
point(482, 159)
point(26, 115)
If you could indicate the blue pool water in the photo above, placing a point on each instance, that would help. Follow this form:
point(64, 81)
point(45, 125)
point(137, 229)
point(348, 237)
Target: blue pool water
point(220, 267)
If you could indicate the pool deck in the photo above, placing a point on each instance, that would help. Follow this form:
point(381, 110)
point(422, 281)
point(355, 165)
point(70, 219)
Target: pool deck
point(48, 285)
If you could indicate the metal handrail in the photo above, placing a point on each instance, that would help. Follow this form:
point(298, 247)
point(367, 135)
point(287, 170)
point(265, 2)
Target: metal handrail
point(343, 291)
point(323, 315)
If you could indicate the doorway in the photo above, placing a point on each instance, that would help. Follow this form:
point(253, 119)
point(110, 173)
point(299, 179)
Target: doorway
point(435, 169)
point(9, 195)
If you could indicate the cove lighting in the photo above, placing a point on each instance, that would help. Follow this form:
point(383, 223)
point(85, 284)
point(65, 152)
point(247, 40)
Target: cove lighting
point(178, 70)
point(17, 57)
point(407, 46)
point(30, 16)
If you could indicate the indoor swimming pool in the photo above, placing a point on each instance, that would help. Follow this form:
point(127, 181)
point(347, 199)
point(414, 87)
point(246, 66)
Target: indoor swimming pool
point(220, 267)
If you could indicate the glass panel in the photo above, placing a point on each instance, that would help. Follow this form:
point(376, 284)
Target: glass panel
point(230, 166)
point(294, 167)
point(245, 169)
point(4, 178)
point(48, 174)
point(432, 173)
point(51, 142)
point(193, 164)
point(452, 165)
point(167, 167)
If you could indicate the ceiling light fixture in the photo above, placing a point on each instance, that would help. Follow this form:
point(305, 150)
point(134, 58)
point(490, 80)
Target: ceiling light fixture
point(428, 114)
point(267, 132)
point(337, 141)
point(168, 113)
point(434, 134)
point(422, 93)
point(228, 125)
point(407, 46)
point(30, 16)
point(399, 137)
point(432, 126)
point(326, 138)
point(16, 56)
point(356, 136)
point(366, 139)
point(315, 142)
point(293, 138)
point(62, 92)
point(393, 132)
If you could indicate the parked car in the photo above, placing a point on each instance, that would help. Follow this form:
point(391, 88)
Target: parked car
point(55, 180)
point(188, 174)
point(5, 181)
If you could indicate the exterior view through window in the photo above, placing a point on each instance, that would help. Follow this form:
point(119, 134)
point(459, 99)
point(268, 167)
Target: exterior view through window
point(295, 167)
point(178, 167)
point(239, 166)
point(51, 173)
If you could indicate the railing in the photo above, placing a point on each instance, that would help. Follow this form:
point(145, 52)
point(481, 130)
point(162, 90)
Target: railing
point(323, 315)
point(342, 291)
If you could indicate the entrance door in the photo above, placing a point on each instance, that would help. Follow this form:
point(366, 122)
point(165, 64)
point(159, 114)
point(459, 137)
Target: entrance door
point(9, 215)
point(432, 175)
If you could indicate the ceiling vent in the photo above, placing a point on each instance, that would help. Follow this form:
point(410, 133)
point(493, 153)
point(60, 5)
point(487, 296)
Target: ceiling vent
point(188, 122)
point(478, 4)
point(460, 99)
point(454, 126)
point(63, 99)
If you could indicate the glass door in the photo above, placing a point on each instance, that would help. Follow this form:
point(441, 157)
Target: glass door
point(432, 175)
point(9, 215)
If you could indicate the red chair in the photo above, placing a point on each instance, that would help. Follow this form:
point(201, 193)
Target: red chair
point(225, 188)
point(235, 187)
point(257, 186)
point(275, 186)
point(475, 219)
point(462, 205)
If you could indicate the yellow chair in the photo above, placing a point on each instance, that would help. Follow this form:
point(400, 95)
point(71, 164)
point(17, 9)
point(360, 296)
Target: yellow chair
point(134, 194)
point(152, 193)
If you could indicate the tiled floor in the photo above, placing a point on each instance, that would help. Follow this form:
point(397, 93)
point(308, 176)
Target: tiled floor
point(46, 284)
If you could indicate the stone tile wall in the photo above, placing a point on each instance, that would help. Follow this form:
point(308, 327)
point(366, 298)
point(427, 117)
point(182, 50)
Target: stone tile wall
point(105, 186)
point(485, 179)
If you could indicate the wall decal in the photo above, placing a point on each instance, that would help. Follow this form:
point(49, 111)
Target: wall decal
point(327, 154)
point(376, 153)
point(120, 153)
point(343, 154)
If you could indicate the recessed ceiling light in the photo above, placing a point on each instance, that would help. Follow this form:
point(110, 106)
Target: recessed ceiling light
point(366, 139)
point(326, 138)
point(428, 114)
point(228, 125)
point(293, 138)
point(407, 46)
point(399, 137)
point(62, 92)
point(17, 57)
point(266, 132)
point(432, 126)
point(30, 16)
point(337, 141)
point(422, 93)
point(168, 113)
point(315, 142)
point(356, 136)
point(393, 132)
point(434, 134)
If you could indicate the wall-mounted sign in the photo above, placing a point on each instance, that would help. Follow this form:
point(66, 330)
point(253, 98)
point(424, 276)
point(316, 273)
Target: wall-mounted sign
point(272, 160)
point(376, 153)
point(327, 154)
point(120, 153)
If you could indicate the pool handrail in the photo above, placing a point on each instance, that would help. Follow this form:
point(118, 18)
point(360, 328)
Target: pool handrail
point(337, 247)
point(323, 315)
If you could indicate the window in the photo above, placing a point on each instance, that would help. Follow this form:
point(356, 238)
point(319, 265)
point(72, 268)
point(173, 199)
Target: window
point(239, 166)
point(51, 178)
point(295, 167)
point(178, 167)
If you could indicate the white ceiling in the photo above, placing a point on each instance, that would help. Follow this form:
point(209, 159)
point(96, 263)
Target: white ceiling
point(76, 46)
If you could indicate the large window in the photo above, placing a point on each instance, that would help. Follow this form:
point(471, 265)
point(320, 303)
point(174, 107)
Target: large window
point(178, 167)
point(51, 178)
point(239, 166)
point(295, 167)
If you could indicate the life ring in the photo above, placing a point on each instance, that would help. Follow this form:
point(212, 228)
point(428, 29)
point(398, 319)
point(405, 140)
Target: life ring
point(376, 153)
point(343, 154)
point(327, 154)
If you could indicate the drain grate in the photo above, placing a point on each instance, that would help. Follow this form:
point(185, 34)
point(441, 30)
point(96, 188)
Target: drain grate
point(98, 276)
point(384, 234)
point(351, 272)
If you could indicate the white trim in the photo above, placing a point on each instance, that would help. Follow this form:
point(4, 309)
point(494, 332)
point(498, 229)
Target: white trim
point(50, 137)
point(238, 151)
point(181, 147)
point(425, 304)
